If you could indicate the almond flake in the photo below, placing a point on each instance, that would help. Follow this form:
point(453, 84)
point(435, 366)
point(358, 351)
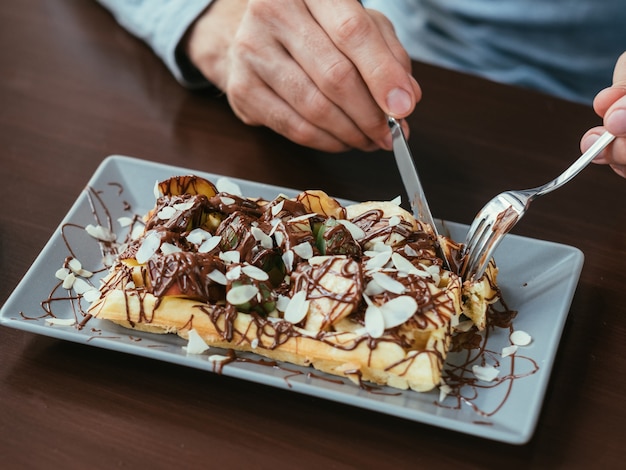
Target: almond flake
point(215, 358)
point(229, 201)
point(319, 260)
point(410, 251)
point(444, 391)
point(394, 220)
point(166, 213)
point(485, 373)
point(195, 343)
point(402, 264)
point(388, 283)
point(125, 221)
point(381, 247)
point(210, 244)
point(148, 247)
point(80, 286)
point(234, 273)
point(264, 239)
point(373, 288)
point(374, 321)
point(61, 321)
point(225, 185)
point(218, 277)
point(396, 200)
point(298, 308)
point(280, 238)
point(241, 294)
point(378, 261)
point(357, 232)
point(277, 208)
point(197, 236)
point(288, 259)
point(137, 232)
point(69, 280)
point(282, 302)
point(255, 273)
point(231, 256)
point(169, 248)
point(302, 218)
point(509, 350)
point(520, 338)
point(303, 250)
point(92, 295)
point(100, 233)
point(254, 343)
point(74, 265)
point(398, 310)
point(62, 273)
point(183, 206)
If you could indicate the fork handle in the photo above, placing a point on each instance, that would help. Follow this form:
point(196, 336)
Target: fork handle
point(586, 158)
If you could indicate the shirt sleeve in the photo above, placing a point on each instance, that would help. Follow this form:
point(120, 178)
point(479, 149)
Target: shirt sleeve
point(162, 25)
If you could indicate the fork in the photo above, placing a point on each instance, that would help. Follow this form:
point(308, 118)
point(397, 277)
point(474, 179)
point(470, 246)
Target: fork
point(501, 214)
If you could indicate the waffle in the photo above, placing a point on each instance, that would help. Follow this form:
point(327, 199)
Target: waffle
point(356, 291)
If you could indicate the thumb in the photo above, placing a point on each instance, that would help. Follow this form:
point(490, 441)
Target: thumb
point(615, 117)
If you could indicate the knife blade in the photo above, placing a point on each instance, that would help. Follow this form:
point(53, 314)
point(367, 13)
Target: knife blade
point(411, 181)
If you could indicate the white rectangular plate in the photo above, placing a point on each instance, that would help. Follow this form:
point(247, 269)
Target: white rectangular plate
point(537, 278)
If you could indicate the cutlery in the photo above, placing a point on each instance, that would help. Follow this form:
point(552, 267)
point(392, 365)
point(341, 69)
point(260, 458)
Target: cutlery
point(411, 181)
point(501, 214)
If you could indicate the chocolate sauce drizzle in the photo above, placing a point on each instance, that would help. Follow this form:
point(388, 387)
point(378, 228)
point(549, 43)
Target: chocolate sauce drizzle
point(186, 272)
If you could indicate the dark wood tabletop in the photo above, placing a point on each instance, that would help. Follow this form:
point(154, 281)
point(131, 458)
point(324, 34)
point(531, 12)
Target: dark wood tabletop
point(75, 88)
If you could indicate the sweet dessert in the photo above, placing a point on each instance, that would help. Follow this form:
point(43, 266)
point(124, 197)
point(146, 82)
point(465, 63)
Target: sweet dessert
point(356, 291)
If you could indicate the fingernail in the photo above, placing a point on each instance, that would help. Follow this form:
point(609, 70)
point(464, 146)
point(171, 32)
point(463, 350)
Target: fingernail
point(399, 102)
point(616, 122)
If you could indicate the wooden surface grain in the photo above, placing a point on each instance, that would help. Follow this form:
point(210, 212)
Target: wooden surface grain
point(75, 87)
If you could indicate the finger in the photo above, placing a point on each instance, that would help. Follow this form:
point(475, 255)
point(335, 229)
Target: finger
point(257, 104)
point(358, 37)
point(291, 27)
point(396, 47)
point(297, 89)
point(613, 154)
point(332, 72)
point(605, 99)
point(615, 117)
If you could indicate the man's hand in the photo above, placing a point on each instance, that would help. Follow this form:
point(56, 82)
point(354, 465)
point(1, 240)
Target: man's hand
point(323, 73)
point(610, 104)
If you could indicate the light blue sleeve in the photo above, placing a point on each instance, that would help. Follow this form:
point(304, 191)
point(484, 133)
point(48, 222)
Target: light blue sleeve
point(564, 47)
point(162, 25)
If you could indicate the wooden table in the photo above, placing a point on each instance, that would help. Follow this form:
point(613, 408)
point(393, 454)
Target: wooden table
point(74, 88)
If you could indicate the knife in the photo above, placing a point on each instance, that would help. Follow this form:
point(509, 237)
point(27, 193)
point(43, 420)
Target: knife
point(412, 185)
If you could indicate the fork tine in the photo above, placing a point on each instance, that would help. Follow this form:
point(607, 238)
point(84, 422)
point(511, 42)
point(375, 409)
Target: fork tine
point(474, 235)
point(476, 247)
point(482, 252)
point(475, 230)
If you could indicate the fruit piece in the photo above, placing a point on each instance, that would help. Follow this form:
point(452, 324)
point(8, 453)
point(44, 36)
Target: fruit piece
point(186, 274)
point(322, 204)
point(333, 238)
point(189, 184)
